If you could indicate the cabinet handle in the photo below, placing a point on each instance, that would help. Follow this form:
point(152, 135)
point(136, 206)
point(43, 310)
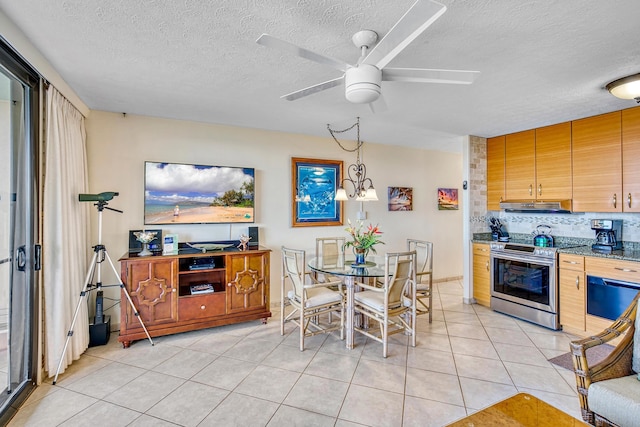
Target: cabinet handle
point(570, 262)
point(539, 189)
point(577, 282)
point(202, 307)
point(530, 189)
point(615, 200)
point(626, 270)
point(487, 265)
point(629, 199)
point(173, 289)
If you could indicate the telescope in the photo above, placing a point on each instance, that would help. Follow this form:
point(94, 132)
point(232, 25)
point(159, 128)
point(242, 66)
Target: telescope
point(102, 197)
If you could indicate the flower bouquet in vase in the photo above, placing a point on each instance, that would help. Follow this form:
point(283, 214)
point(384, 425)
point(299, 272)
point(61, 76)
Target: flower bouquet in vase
point(363, 240)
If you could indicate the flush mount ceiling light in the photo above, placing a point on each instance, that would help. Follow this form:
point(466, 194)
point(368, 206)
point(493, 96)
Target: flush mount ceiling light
point(626, 87)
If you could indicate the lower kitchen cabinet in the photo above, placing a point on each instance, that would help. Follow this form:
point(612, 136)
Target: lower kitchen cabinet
point(481, 274)
point(181, 293)
point(572, 292)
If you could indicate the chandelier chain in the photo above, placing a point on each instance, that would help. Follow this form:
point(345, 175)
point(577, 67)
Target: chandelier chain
point(359, 142)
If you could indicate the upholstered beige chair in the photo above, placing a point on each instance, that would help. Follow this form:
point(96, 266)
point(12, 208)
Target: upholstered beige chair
point(609, 391)
point(392, 306)
point(424, 275)
point(309, 300)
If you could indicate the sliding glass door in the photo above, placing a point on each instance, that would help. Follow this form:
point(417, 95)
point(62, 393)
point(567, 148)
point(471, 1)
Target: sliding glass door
point(18, 227)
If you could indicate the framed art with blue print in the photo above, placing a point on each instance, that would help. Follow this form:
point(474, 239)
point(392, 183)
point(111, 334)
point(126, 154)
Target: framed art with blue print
point(314, 183)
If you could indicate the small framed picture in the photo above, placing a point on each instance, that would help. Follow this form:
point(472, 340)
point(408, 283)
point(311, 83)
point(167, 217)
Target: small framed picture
point(447, 199)
point(400, 198)
point(314, 183)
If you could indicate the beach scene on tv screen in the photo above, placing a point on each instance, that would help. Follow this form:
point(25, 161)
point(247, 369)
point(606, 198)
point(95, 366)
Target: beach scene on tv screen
point(195, 194)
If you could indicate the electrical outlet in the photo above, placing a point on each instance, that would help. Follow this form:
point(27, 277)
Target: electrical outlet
point(362, 215)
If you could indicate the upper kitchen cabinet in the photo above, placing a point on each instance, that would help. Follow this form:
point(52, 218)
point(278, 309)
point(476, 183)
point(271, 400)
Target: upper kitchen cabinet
point(597, 162)
point(631, 160)
point(519, 166)
point(553, 162)
point(495, 172)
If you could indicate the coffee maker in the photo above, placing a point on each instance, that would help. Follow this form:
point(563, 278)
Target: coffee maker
point(608, 235)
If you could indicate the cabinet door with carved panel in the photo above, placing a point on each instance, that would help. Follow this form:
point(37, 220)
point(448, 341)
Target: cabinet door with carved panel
point(152, 286)
point(247, 287)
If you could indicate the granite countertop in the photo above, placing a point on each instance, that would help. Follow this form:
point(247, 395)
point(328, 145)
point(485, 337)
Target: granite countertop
point(630, 252)
point(626, 254)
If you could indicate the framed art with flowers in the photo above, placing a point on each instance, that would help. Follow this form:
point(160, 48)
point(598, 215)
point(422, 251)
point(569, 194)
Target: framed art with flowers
point(314, 183)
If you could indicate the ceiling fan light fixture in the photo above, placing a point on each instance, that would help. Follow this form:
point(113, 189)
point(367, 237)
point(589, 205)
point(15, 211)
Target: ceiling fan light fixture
point(362, 84)
point(626, 87)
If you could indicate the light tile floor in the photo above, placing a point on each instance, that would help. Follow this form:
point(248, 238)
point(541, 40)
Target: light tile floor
point(250, 375)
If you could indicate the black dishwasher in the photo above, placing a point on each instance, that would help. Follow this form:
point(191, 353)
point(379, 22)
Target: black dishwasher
point(609, 298)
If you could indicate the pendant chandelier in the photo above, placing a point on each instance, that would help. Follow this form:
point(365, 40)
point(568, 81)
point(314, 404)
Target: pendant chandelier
point(363, 190)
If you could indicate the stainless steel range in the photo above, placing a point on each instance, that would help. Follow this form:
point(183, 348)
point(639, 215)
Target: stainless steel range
point(523, 282)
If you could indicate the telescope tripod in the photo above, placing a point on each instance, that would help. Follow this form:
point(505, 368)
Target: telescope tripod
point(100, 254)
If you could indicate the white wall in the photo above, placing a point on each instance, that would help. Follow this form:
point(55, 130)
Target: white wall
point(16, 38)
point(118, 145)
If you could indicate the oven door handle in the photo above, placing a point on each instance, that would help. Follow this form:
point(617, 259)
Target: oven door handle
point(551, 262)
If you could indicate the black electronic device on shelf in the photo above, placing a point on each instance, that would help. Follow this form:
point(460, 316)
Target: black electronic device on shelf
point(202, 263)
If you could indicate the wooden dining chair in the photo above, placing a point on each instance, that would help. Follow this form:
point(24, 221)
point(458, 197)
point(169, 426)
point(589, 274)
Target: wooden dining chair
point(309, 299)
point(424, 275)
point(392, 306)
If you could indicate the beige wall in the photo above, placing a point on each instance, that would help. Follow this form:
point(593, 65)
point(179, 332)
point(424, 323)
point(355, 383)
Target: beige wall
point(118, 145)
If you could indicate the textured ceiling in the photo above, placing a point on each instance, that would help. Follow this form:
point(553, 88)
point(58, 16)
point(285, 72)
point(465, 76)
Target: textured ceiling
point(541, 62)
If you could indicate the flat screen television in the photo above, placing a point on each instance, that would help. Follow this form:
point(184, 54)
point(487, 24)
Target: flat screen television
point(177, 193)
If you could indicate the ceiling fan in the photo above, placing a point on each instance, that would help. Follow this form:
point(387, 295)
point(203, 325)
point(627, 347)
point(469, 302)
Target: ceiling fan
point(362, 82)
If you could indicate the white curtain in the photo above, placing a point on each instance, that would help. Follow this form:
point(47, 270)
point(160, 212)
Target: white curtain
point(65, 231)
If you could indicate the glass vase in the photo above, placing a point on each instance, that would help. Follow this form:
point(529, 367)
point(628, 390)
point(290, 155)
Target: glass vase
point(145, 250)
point(360, 255)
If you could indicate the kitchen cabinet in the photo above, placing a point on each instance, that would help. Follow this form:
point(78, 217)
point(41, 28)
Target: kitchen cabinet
point(572, 292)
point(164, 290)
point(553, 162)
point(495, 172)
point(481, 274)
point(537, 165)
point(631, 160)
point(519, 165)
point(597, 162)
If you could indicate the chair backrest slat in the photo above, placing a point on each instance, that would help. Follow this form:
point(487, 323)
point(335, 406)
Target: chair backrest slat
point(403, 264)
point(293, 261)
point(330, 250)
point(424, 256)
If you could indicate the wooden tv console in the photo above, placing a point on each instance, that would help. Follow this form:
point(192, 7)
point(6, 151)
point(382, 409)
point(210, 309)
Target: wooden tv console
point(161, 290)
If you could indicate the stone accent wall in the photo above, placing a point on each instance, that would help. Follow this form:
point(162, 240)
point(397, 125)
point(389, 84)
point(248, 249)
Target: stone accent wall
point(478, 184)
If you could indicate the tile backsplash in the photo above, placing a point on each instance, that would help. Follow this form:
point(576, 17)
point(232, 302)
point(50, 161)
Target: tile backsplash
point(566, 225)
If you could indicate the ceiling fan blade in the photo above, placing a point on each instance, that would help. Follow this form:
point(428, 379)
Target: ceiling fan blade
point(313, 89)
point(422, 75)
point(270, 41)
point(379, 105)
point(418, 18)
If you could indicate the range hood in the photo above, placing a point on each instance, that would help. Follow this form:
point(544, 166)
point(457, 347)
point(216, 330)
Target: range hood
point(536, 206)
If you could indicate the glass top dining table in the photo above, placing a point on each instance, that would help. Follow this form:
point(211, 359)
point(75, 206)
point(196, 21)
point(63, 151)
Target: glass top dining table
point(373, 268)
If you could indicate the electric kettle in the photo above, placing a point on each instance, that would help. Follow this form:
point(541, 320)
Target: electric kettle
point(543, 237)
